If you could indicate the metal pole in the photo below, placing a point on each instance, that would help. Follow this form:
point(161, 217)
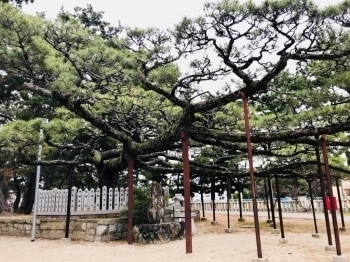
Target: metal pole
point(252, 178)
point(267, 201)
point(326, 217)
point(131, 160)
point(240, 202)
point(271, 203)
point(330, 193)
point(202, 199)
point(213, 195)
point(69, 202)
point(187, 193)
point(279, 206)
point(228, 200)
point(37, 180)
point(340, 204)
point(313, 207)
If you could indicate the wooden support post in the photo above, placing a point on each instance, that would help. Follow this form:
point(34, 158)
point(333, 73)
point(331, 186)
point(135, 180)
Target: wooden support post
point(323, 193)
point(131, 160)
point(313, 206)
point(330, 193)
point(279, 206)
point(187, 190)
point(340, 205)
point(252, 177)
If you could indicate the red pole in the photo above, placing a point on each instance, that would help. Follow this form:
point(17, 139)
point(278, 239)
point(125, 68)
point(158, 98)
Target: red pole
point(330, 194)
point(131, 161)
point(187, 194)
point(251, 171)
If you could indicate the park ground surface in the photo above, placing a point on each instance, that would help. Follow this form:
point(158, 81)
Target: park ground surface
point(210, 244)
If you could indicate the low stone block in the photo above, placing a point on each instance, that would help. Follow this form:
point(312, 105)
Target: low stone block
point(316, 235)
point(214, 223)
point(78, 235)
point(329, 248)
point(97, 239)
point(5, 231)
point(65, 240)
point(121, 227)
point(91, 225)
point(263, 259)
point(45, 234)
point(57, 234)
point(228, 230)
point(203, 219)
point(268, 221)
point(343, 229)
point(83, 226)
point(283, 241)
point(341, 258)
point(90, 231)
point(121, 235)
point(112, 228)
point(89, 238)
point(158, 233)
point(275, 231)
point(28, 228)
point(241, 219)
point(101, 230)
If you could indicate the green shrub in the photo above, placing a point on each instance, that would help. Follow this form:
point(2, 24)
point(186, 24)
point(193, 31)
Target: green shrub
point(141, 200)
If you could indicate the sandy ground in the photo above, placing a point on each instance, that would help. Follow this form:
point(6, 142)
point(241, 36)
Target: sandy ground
point(210, 244)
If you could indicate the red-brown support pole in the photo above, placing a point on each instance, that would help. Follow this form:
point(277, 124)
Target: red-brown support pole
point(130, 160)
point(323, 193)
point(251, 171)
point(340, 205)
point(330, 193)
point(278, 196)
point(187, 193)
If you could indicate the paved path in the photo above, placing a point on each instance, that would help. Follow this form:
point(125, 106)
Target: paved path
point(301, 215)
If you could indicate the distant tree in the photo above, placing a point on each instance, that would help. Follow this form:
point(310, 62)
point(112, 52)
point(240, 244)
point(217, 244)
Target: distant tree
point(18, 3)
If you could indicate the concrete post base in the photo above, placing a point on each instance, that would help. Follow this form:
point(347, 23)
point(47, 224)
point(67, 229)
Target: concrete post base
point(263, 259)
point(214, 223)
point(203, 219)
point(228, 230)
point(342, 229)
point(329, 248)
point(241, 219)
point(268, 221)
point(341, 258)
point(275, 231)
point(283, 241)
point(316, 235)
point(65, 240)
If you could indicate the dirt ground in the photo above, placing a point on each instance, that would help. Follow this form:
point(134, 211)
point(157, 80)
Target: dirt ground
point(210, 244)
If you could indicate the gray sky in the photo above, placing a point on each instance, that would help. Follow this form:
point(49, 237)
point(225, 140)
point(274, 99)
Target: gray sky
point(140, 13)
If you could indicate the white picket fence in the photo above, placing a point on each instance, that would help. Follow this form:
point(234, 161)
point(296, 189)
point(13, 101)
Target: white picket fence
point(247, 205)
point(83, 202)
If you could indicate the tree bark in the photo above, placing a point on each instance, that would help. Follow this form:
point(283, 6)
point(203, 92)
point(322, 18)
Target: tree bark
point(17, 187)
point(29, 194)
point(108, 176)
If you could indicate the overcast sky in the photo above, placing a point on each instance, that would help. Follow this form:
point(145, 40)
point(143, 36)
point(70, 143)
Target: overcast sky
point(140, 13)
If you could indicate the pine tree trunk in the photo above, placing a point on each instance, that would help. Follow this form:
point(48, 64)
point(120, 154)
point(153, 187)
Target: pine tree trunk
point(18, 189)
point(4, 207)
point(29, 195)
